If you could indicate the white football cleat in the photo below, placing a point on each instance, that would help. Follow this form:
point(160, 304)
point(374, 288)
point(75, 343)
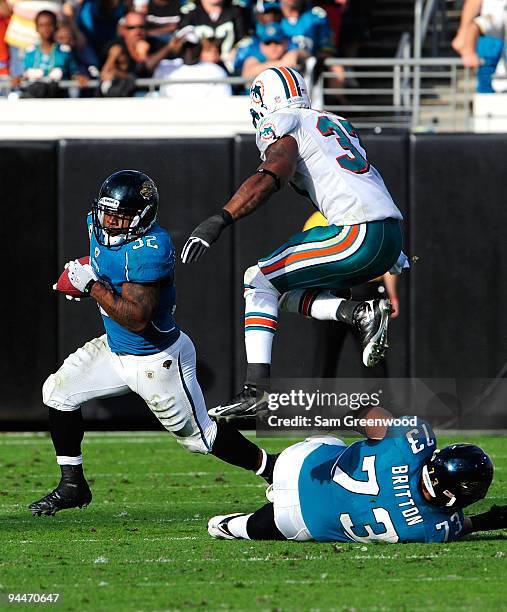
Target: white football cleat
point(217, 526)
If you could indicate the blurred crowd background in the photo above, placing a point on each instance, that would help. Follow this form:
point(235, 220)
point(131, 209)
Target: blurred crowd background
point(118, 41)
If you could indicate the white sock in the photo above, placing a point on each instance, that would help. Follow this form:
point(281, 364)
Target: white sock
point(263, 462)
point(315, 303)
point(63, 460)
point(237, 526)
point(261, 317)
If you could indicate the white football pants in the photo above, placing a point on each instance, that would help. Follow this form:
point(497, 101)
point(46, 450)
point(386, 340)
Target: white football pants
point(166, 381)
point(287, 507)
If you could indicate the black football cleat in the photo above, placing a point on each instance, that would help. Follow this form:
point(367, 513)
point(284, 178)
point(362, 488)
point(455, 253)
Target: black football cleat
point(247, 403)
point(371, 319)
point(68, 494)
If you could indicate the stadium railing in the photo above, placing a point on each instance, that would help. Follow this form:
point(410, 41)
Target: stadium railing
point(400, 92)
point(404, 92)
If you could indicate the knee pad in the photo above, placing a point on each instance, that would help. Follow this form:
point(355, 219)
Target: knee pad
point(194, 444)
point(47, 390)
point(199, 441)
point(255, 279)
point(48, 395)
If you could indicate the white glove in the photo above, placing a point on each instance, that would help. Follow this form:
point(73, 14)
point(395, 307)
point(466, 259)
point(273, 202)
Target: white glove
point(67, 297)
point(81, 277)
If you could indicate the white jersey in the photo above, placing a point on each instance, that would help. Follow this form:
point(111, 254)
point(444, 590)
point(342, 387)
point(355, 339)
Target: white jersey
point(332, 169)
point(493, 18)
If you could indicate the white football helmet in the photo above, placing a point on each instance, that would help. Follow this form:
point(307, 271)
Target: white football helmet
point(277, 88)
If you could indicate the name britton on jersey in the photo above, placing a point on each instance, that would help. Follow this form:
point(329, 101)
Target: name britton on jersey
point(400, 480)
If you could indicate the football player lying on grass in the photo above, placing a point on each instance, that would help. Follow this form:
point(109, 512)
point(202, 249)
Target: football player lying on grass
point(393, 486)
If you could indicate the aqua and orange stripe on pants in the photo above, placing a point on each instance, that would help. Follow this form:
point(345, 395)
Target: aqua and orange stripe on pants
point(260, 321)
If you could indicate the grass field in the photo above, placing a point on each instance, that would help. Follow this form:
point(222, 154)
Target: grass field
point(143, 545)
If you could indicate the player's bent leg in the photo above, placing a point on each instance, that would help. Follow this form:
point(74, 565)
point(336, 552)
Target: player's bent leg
point(168, 384)
point(314, 267)
point(85, 374)
point(260, 525)
point(261, 315)
point(285, 493)
point(170, 387)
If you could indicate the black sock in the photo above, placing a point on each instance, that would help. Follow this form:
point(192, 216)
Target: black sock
point(72, 473)
point(232, 447)
point(67, 431)
point(257, 374)
point(267, 472)
point(261, 525)
point(345, 311)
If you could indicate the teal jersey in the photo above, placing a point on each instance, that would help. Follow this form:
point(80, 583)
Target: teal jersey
point(60, 56)
point(149, 259)
point(370, 491)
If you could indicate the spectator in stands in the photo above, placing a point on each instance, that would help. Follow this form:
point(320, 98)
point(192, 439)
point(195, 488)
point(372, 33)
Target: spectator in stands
point(270, 50)
point(5, 14)
point(210, 52)
point(266, 12)
point(471, 9)
point(21, 33)
point(128, 57)
point(220, 19)
point(48, 59)
point(98, 21)
point(86, 58)
point(191, 67)
point(492, 24)
point(307, 28)
point(162, 18)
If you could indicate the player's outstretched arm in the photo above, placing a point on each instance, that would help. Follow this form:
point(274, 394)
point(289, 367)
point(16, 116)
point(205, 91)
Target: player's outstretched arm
point(274, 173)
point(495, 518)
point(134, 308)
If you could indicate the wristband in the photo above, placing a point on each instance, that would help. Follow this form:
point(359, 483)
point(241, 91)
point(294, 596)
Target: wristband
point(272, 175)
point(226, 216)
point(89, 286)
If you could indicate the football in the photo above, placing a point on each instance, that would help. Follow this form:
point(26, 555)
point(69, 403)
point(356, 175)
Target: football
point(64, 285)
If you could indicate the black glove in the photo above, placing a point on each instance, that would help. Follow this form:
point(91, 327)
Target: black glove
point(205, 235)
point(494, 518)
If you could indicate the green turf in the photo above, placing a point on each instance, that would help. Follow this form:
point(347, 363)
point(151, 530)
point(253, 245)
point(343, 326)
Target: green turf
point(143, 544)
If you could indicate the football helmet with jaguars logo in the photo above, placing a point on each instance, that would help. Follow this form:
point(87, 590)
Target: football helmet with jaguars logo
point(277, 88)
point(125, 209)
point(458, 475)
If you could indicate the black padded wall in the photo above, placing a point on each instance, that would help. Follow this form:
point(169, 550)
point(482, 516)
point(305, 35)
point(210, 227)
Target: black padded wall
point(450, 186)
point(459, 285)
point(27, 307)
point(194, 179)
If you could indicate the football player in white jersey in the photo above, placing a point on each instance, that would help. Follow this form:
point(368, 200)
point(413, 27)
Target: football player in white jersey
point(321, 156)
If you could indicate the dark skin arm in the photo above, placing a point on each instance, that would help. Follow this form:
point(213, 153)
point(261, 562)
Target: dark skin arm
point(281, 158)
point(134, 308)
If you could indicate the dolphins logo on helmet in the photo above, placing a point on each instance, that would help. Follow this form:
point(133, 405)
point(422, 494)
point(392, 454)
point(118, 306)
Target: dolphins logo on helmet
point(277, 88)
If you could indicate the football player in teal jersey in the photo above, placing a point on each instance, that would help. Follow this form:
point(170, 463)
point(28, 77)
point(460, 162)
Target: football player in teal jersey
point(131, 277)
point(393, 486)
